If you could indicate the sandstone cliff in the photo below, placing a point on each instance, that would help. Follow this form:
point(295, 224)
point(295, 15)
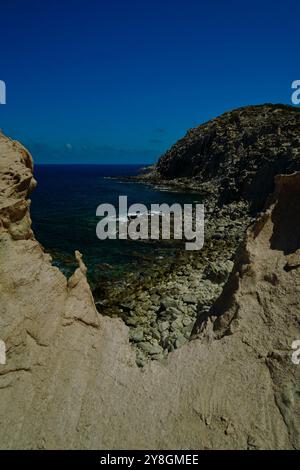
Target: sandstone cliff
point(71, 380)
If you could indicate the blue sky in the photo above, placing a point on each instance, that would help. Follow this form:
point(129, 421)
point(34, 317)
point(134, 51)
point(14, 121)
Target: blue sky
point(120, 81)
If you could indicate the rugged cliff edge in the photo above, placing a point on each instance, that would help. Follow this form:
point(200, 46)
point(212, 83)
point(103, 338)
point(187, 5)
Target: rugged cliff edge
point(236, 155)
point(71, 381)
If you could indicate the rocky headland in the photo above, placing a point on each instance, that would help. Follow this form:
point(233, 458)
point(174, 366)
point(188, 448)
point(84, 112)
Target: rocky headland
point(231, 162)
point(235, 156)
point(71, 378)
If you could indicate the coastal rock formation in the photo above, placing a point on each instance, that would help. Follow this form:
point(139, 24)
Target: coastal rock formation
point(70, 378)
point(231, 161)
point(161, 308)
point(235, 156)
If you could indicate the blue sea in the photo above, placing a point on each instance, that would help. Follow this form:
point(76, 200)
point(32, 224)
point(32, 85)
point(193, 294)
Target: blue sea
point(64, 218)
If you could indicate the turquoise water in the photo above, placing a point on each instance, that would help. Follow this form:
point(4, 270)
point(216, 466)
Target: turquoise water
point(64, 218)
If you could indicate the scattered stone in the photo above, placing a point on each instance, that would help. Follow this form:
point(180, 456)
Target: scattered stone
point(218, 272)
point(189, 299)
point(173, 312)
point(176, 325)
point(180, 341)
point(163, 326)
point(136, 334)
point(186, 321)
point(132, 321)
point(167, 302)
point(157, 357)
point(155, 334)
point(150, 348)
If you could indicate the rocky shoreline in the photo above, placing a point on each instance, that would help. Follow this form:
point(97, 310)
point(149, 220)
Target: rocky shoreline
point(71, 378)
point(230, 162)
point(161, 307)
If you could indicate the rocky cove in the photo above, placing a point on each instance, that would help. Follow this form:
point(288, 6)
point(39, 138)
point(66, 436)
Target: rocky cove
point(242, 146)
point(161, 306)
point(219, 324)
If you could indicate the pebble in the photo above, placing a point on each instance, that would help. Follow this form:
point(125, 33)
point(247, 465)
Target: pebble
point(150, 348)
point(163, 326)
point(167, 302)
point(189, 299)
point(180, 341)
point(136, 334)
point(132, 321)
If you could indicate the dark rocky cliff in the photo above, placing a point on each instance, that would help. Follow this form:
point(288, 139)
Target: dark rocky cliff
point(236, 155)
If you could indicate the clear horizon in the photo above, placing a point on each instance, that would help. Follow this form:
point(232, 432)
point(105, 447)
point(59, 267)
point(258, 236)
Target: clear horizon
point(94, 164)
point(121, 82)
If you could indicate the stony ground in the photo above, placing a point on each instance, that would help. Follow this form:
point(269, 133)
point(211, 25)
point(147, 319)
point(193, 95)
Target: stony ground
point(231, 161)
point(161, 308)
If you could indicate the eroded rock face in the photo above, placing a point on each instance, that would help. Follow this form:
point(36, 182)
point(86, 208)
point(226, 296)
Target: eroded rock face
point(71, 381)
point(236, 155)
